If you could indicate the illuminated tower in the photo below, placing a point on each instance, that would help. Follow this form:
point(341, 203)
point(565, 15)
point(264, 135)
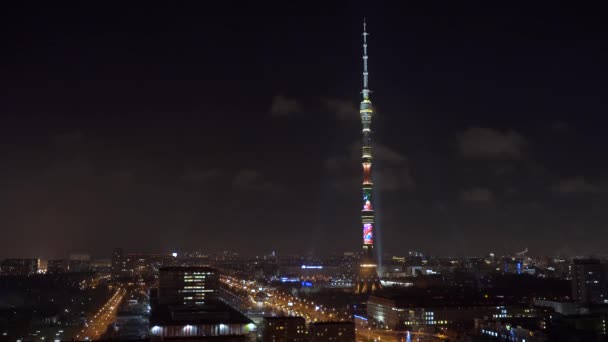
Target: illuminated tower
point(367, 279)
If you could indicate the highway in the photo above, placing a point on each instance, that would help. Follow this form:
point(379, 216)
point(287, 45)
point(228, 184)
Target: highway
point(98, 323)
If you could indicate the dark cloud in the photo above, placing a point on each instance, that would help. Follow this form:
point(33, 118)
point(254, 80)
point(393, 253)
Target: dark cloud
point(336, 107)
point(387, 154)
point(201, 176)
point(342, 109)
point(577, 185)
point(560, 126)
point(252, 180)
point(391, 171)
point(68, 138)
point(380, 152)
point(477, 195)
point(344, 183)
point(337, 162)
point(122, 177)
point(246, 178)
point(394, 178)
point(284, 106)
point(478, 142)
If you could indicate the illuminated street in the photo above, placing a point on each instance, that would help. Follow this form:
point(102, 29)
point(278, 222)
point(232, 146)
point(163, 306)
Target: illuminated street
point(98, 323)
point(292, 306)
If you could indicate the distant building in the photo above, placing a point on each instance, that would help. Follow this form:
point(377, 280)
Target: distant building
point(592, 325)
point(565, 308)
point(101, 265)
point(332, 331)
point(187, 285)
point(19, 267)
point(138, 267)
point(79, 263)
point(117, 264)
point(589, 281)
point(55, 266)
point(416, 309)
point(284, 329)
point(314, 272)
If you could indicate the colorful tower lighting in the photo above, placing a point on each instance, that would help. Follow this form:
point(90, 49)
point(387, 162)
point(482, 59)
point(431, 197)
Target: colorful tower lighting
point(368, 280)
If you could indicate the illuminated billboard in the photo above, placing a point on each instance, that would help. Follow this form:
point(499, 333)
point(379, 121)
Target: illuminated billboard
point(367, 200)
point(368, 237)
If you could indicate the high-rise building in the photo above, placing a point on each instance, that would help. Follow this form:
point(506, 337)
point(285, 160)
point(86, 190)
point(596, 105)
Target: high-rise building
point(589, 281)
point(186, 307)
point(367, 278)
point(19, 267)
point(145, 266)
point(284, 329)
point(117, 263)
point(187, 285)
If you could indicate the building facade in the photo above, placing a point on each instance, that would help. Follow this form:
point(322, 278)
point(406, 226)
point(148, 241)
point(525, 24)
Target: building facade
point(117, 264)
point(284, 329)
point(186, 306)
point(187, 285)
point(394, 313)
point(19, 267)
point(79, 263)
point(55, 266)
point(332, 331)
point(589, 281)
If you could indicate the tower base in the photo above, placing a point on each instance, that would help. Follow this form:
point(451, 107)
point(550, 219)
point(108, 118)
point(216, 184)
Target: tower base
point(367, 281)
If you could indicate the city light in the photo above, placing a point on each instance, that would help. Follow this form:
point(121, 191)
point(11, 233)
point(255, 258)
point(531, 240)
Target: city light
point(314, 267)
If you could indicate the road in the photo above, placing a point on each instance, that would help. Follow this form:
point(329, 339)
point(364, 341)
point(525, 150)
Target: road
point(282, 302)
point(367, 333)
point(98, 323)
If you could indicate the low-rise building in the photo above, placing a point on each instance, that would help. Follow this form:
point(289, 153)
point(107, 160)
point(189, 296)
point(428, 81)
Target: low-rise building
point(417, 309)
point(515, 330)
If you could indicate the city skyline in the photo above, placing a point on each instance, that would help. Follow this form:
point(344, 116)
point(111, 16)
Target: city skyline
point(231, 132)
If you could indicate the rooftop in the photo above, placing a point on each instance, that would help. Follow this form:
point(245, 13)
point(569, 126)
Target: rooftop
point(214, 312)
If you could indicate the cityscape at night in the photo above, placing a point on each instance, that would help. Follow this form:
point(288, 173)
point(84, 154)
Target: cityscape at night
point(274, 172)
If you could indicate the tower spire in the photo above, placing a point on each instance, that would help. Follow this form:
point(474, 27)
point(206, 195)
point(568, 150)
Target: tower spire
point(365, 73)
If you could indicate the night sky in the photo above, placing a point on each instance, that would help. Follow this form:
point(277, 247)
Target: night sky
point(202, 128)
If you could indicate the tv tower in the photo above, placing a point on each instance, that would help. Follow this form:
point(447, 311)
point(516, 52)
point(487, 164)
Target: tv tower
point(367, 279)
